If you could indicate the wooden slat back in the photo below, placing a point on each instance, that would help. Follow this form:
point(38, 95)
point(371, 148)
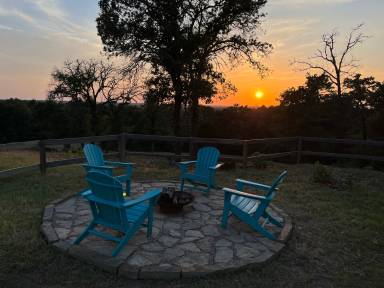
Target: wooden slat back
point(206, 157)
point(93, 154)
point(272, 192)
point(105, 187)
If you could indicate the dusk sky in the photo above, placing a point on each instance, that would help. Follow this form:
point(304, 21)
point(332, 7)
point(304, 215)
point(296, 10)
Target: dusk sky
point(38, 35)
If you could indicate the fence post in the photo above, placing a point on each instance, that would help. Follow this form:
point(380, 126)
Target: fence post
point(191, 148)
point(299, 149)
point(122, 147)
point(245, 153)
point(43, 158)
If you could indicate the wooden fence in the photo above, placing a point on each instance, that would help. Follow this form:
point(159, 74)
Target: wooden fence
point(178, 142)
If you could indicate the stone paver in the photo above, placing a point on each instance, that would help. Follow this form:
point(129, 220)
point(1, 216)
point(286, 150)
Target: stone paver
point(223, 255)
point(190, 244)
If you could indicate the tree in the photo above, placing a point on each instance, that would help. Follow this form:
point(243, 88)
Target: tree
point(376, 101)
point(92, 82)
point(375, 122)
point(205, 86)
point(308, 108)
point(158, 92)
point(316, 89)
point(15, 121)
point(361, 91)
point(186, 39)
point(337, 65)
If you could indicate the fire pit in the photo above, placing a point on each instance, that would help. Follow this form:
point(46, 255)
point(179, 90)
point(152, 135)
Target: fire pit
point(172, 201)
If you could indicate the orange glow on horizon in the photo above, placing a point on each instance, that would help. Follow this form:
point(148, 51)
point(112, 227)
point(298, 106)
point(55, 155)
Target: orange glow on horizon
point(254, 91)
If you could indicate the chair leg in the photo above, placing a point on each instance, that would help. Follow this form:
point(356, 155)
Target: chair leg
point(224, 217)
point(263, 231)
point(182, 185)
point(124, 241)
point(84, 234)
point(128, 187)
point(224, 220)
point(149, 225)
point(211, 184)
point(273, 220)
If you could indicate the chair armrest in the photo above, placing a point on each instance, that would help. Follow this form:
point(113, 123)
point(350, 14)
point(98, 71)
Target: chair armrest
point(98, 167)
point(217, 166)
point(244, 194)
point(241, 183)
point(85, 192)
point(154, 193)
point(118, 164)
point(186, 163)
point(92, 197)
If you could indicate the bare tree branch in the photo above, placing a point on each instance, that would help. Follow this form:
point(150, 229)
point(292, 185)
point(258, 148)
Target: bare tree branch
point(336, 65)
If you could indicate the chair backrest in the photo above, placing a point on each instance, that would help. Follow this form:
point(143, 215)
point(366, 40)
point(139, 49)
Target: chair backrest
point(93, 154)
point(206, 157)
point(278, 180)
point(106, 189)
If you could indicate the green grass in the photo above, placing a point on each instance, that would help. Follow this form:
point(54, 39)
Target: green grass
point(337, 239)
point(20, 158)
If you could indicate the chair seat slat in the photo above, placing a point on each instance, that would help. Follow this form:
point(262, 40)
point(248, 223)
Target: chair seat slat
point(251, 208)
point(111, 210)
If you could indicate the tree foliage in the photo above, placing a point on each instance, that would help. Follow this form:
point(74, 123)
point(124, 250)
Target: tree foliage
point(312, 105)
point(188, 40)
point(315, 91)
point(92, 82)
point(361, 92)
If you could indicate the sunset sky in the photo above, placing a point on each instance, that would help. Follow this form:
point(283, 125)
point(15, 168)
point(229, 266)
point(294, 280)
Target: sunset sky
point(38, 35)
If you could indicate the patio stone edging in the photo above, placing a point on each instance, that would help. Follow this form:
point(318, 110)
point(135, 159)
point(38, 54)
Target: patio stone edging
point(119, 266)
point(46, 227)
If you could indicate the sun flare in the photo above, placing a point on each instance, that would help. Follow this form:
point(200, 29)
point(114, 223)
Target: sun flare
point(259, 94)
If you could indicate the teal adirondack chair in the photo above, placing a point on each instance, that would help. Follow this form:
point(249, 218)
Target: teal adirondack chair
point(109, 209)
point(95, 161)
point(251, 208)
point(205, 169)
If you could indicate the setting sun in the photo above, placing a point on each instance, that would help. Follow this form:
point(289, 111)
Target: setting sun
point(259, 94)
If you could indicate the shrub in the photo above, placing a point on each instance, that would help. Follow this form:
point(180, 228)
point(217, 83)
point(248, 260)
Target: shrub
point(321, 174)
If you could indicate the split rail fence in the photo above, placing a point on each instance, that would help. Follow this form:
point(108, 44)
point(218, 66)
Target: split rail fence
point(245, 148)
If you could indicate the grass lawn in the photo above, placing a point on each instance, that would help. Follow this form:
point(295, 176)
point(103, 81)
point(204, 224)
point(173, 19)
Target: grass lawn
point(20, 158)
point(338, 238)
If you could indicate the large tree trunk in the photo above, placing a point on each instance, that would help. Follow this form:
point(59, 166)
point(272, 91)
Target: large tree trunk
point(176, 120)
point(338, 84)
point(364, 125)
point(177, 85)
point(177, 116)
point(340, 125)
point(94, 118)
point(195, 115)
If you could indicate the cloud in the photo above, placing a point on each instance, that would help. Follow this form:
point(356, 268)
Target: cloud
point(48, 17)
point(16, 13)
point(7, 28)
point(289, 34)
point(285, 26)
point(51, 8)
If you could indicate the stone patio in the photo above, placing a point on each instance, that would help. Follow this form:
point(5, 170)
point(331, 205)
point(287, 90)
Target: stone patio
point(191, 244)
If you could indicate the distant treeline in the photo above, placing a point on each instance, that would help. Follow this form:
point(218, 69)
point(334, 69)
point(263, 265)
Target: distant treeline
point(22, 120)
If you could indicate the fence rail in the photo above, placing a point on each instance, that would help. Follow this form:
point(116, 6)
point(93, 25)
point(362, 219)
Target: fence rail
point(19, 145)
point(244, 146)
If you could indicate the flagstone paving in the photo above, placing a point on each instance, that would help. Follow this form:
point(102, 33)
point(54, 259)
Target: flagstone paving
point(190, 244)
